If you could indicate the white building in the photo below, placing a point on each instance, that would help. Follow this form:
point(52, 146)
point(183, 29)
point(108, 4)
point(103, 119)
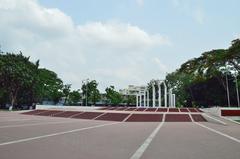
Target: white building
point(161, 96)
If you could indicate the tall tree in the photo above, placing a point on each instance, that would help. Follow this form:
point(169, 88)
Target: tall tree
point(16, 73)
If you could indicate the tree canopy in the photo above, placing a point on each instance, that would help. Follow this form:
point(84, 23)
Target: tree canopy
point(202, 81)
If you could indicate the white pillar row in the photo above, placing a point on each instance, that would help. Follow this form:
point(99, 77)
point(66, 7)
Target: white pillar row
point(153, 95)
point(147, 98)
point(165, 94)
point(159, 95)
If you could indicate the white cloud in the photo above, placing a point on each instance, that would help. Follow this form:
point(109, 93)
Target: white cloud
point(111, 52)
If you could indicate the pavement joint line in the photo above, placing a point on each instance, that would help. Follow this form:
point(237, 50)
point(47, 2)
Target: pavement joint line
point(221, 122)
point(218, 132)
point(99, 116)
point(76, 114)
point(36, 124)
point(191, 117)
point(164, 117)
point(124, 120)
point(56, 134)
point(138, 154)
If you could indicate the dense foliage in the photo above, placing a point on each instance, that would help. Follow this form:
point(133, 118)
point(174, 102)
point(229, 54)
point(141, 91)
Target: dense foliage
point(203, 81)
point(22, 82)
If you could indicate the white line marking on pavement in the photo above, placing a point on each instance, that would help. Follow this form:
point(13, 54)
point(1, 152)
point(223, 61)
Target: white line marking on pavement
point(235, 122)
point(218, 132)
point(124, 120)
point(36, 124)
point(138, 154)
point(56, 134)
point(215, 119)
point(191, 117)
point(99, 116)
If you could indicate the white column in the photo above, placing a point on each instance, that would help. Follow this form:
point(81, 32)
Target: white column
point(144, 99)
point(159, 95)
point(170, 97)
point(153, 95)
point(165, 94)
point(137, 100)
point(140, 100)
point(147, 98)
point(174, 100)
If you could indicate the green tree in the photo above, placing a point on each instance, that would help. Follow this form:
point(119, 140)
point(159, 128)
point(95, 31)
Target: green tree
point(49, 86)
point(90, 92)
point(113, 96)
point(74, 97)
point(66, 92)
point(16, 73)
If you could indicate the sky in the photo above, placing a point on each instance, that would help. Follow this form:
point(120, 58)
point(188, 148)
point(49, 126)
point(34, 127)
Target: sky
point(116, 42)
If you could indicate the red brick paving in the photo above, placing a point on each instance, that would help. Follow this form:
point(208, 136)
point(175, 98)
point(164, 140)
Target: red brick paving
point(151, 110)
point(88, 115)
point(184, 110)
point(130, 109)
point(49, 113)
point(173, 110)
point(192, 110)
point(67, 114)
point(113, 116)
point(140, 109)
point(145, 118)
point(34, 112)
point(198, 118)
point(162, 110)
point(177, 118)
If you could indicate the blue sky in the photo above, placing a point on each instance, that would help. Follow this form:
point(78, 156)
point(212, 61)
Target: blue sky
point(117, 42)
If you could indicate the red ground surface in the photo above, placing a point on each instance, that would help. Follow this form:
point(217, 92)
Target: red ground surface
point(50, 113)
point(192, 110)
point(173, 110)
point(130, 109)
point(151, 110)
point(198, 118)
point(141, 109)
point(145, 118)
point(34, 112)
point(109, 116)
point(177, 118)
point(67, 114)
point(113, 117)
point(162, 110)
point(184, 110)
point(88, 115)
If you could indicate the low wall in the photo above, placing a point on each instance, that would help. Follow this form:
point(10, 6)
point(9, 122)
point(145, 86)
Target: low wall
point(229, 112)
point(76, 108)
